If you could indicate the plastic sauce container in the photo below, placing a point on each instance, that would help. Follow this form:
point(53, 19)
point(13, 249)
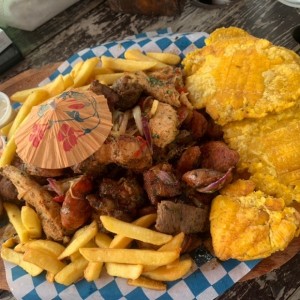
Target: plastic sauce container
point(6, 111)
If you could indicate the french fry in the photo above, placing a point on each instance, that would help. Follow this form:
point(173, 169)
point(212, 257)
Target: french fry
point(71, 272)
point(68, 81)
point(43, 259)
point(50, 277)
point(76, 69)
point(147, 283)
point(135, 54)
point(45, 245)
point(133, 231)
point(120, 241)
point(130, 256)
point(76, 254)
point(79, 241)
point(56, 86)
point(124, 270)
point(5, 129)
point(108, 79)
point(35, 98)
point(85, 71)
point(102, 240)
point(93, 270)
point(164, 57)
point(8, 153)
point(120, 64)
point(170, 273)
point(174, 244)
point(31, 222)
point(9, 243)
point(17, 258)
point(21, 247)
point(102, 70)
point(14, 216)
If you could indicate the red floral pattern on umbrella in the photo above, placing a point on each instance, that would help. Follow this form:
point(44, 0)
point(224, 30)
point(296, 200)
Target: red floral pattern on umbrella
point(65, 130)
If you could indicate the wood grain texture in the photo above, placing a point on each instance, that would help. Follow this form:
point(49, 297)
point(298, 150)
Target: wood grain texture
point(91, 22)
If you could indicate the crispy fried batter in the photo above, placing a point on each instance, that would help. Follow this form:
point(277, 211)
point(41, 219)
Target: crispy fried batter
point(250, 224)
point(238, 76)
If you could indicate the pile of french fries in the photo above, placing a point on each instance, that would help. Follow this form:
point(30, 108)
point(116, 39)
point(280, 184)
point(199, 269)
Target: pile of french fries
point(89, 249)
point(105, 69)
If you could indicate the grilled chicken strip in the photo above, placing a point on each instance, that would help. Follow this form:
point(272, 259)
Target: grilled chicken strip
point(40, 199)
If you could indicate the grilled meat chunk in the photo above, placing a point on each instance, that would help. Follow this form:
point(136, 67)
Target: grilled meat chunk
point(218, 156)
point(189, 159)
point(201, 177)
point(161, 183)
point(198, 125)
point(129, 90)
point(174, 217)
point(100, 89)
point(127, 151)
point(8, 191)
point(126, 192)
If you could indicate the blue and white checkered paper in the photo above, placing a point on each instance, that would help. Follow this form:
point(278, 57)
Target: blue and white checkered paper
point(205, 281)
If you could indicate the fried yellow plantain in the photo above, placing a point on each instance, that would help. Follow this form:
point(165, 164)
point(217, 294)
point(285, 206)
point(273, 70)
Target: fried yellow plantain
point(238, 76)
point(248, 224)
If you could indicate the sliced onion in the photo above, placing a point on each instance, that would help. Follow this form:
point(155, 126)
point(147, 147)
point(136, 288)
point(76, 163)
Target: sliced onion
point(218, 184)
point(166, 177)
point(137, 115)
point(58, 186)
point(154, 107)
point(147, 133)
point(124, 122)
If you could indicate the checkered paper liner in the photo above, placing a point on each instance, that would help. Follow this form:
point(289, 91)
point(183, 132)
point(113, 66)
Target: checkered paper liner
point(207, 279)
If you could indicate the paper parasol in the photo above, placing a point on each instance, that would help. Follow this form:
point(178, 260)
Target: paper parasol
point(65, 130)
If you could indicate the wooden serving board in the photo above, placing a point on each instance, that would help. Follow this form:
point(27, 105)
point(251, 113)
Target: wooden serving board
point(31, 78)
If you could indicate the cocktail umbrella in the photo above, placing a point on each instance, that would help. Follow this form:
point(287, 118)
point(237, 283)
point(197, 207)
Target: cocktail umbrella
point(65, 130)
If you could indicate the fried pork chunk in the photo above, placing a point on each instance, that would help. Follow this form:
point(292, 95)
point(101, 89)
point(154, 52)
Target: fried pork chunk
point(127, 151)
point(238, 76)
point(247, 224)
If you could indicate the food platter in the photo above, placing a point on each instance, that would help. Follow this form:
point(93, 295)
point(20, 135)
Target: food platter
point(215, 278)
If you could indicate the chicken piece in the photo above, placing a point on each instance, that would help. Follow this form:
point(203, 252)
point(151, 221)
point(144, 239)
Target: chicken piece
point(218, 156)
point(127, 151)
point(40, 199)
point(163, 125)
point(269, 150)
point(247, 224)
point(173, 218)
point(238, 76)
point(161, 183)
point(129, 91)
point(158, 88)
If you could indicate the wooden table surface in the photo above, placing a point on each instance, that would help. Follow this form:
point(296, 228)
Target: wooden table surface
point(91, 22)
